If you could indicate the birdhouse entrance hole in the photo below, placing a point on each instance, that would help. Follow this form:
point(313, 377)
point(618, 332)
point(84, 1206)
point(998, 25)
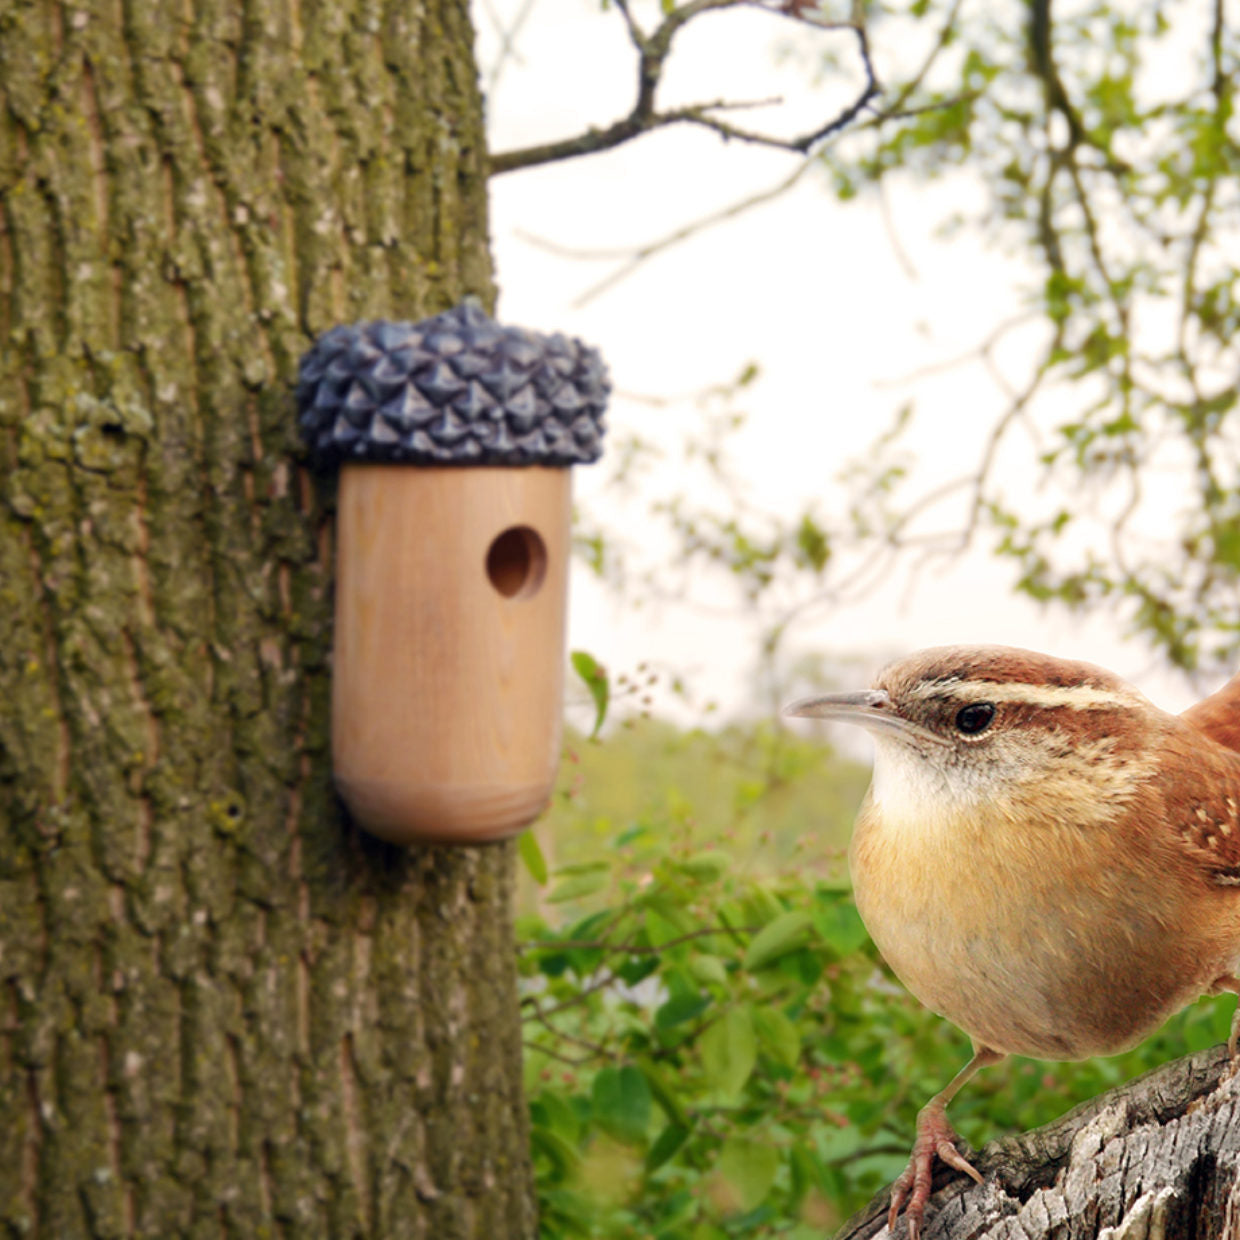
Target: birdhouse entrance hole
point(517, 562)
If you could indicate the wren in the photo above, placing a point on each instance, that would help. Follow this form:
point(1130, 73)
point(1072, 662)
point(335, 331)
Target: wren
point(1044, 858)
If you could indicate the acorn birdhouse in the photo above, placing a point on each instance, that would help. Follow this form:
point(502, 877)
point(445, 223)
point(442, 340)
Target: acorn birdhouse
point(454, 437)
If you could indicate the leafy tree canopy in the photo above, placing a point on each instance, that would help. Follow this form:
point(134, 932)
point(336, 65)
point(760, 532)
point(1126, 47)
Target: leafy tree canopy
point(1105, 140)
point(1100, 141)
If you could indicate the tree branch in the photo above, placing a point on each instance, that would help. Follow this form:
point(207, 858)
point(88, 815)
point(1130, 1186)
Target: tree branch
point(642, 254)
point(653, 50)
point(1157, 1156)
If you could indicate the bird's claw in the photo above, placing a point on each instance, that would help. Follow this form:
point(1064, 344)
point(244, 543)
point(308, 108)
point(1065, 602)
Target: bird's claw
point(935, 1138)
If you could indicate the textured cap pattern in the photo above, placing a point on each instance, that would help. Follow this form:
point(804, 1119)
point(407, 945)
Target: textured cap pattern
point(457, 389)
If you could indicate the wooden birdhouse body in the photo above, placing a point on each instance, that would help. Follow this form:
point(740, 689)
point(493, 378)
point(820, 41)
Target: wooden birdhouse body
point(449, 648)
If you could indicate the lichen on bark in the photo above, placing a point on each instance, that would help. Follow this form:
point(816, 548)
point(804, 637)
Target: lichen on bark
point(222, 1011)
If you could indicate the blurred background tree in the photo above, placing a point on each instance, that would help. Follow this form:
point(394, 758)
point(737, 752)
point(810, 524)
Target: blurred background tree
point(712, 1047)
point(1092, 148)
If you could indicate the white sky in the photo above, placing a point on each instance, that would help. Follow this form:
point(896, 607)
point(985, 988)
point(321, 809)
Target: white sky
point(809, 288)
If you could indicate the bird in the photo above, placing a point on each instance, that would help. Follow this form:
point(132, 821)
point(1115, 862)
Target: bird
point(1044, 858)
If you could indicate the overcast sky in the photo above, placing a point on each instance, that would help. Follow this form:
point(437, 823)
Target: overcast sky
point(810, 289)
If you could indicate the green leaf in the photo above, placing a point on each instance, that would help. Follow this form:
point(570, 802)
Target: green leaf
point(729, 1051)
point(708, 970)
point(785, 934)
point(659, 930)
point(532, 857)
point(551, 1112)
point(666, 1144)
point(758, 907)
point(840, 925)
point(709, 866)
point(583, 867)
point(778, 1035)
point(637, 968)
point(578, 886)
point(749, 1169)
point(680, 1008)
point(553, 1147)
point(622, 1103)
point(594, 675)
point(838, 1144)
point(664, 1086)
point(805, 1172)
point(812, 544)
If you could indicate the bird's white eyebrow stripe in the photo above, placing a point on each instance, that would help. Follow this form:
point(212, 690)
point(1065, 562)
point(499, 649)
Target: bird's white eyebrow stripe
point(1075, 697)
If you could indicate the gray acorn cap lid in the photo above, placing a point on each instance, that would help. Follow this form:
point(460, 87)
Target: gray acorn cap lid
point(457, 389)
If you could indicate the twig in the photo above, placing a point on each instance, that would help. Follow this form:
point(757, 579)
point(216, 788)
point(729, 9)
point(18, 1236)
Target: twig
point(903, 260)
point(596, 1049)
point(644, 253)
point(570, 1060)
point(653, 51)
point(508, 40)
point(631, 948)
point(979, 353)
point(599, 983)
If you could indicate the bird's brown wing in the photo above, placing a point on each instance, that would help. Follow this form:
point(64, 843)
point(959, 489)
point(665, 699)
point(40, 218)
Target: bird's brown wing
point(1203, 811)
point(1218, 715)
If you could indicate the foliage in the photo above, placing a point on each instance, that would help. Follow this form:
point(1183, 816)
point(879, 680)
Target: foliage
point(774, 800)
point(713, 1047)
point(691, 1056)
point(1098, 143)
point(1104, 141)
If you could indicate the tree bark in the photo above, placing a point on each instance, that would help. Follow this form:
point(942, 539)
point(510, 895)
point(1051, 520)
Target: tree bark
point(223, 1011)
point(1155, 1159)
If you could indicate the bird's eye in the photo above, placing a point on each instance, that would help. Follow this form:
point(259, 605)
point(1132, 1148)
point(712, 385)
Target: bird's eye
point(975, 717)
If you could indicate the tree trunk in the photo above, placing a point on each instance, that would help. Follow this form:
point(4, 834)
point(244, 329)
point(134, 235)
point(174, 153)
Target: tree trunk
point(1155, 1159)
point(223, 1012)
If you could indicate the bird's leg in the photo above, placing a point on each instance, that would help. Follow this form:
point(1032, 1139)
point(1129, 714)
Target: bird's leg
point(935, 1137)
point(1232, 984)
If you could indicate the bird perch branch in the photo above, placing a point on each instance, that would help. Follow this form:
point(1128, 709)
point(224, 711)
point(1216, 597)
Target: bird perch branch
point(1159, 1156)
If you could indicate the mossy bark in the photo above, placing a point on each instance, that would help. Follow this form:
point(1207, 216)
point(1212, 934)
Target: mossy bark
point(223, 1012)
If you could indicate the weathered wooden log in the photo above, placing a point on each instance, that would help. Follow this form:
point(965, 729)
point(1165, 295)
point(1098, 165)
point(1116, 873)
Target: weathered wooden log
point(1155, 1159)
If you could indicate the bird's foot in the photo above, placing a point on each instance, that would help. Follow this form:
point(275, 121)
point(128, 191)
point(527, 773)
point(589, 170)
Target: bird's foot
point(935, 1139)
point(1230, 982)
point(1232, 1066)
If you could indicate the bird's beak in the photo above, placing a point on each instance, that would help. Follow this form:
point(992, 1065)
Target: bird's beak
point(871, 709)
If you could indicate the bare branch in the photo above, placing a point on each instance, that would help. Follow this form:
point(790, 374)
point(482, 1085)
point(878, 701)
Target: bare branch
point(653, 51)
point(596, 1050)
point(635, 31)
point(637, 256)
point(896, 108)
point(599, 983)
point(508, 40)
point(978, 353)
point(902, 258)
point(571, 1061)
point(648, 251)
point(627, 128)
